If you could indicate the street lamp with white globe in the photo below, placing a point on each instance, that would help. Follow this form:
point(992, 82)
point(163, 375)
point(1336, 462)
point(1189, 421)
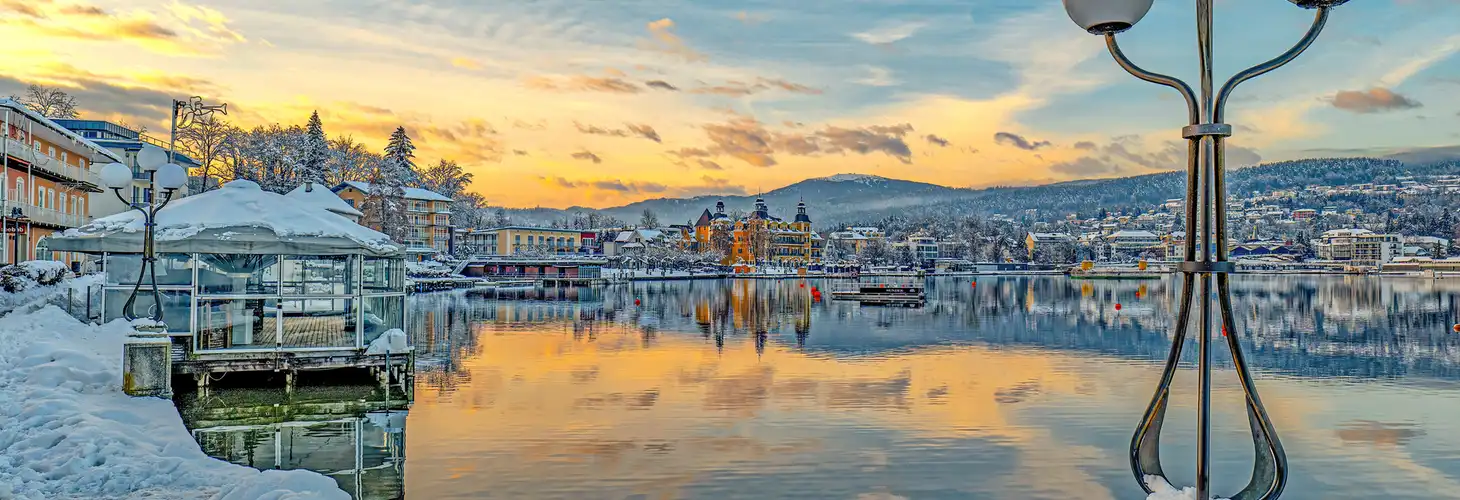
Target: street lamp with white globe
point(1205, 134)
point(169, 177)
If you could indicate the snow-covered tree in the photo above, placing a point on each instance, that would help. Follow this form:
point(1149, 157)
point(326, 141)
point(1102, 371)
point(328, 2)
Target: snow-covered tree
point(268, 155)
point(315, 157)
point(348, 161)
point(648, 220)
point(446, 177)
point(401, 153)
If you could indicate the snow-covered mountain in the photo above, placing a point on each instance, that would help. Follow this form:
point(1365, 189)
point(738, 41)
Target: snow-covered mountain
point(826, 198)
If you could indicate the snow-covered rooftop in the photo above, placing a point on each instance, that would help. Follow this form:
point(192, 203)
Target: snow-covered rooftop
point(323, 197)
point(238, 218)
point(14, 105)
point(411, 193)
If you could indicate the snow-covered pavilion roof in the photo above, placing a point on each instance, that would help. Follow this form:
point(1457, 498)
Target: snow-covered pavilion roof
point(239, 218)
point(323, 197)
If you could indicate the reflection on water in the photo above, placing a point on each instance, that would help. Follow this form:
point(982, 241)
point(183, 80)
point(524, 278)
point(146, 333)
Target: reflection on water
point(336, 431)
point(1015, 387)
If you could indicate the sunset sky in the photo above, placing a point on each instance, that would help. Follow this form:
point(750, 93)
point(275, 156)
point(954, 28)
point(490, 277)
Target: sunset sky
point(604, 102)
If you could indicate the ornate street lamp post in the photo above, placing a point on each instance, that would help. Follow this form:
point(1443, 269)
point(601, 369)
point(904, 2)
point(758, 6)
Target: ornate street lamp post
point(184, 115)
point(160, 174)
point(1205, 184)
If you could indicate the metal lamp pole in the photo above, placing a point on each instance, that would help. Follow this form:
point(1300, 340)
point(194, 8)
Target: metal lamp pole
point(1205, 184)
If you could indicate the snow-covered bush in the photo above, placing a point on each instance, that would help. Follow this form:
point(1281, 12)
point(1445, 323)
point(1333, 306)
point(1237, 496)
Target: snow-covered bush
point(427, 269)
point(24, 276)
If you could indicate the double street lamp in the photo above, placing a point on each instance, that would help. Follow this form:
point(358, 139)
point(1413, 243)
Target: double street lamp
point(160, 174)
point(1205, 184)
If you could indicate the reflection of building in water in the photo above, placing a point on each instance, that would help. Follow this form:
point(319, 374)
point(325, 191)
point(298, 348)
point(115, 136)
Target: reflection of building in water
point(364, 454)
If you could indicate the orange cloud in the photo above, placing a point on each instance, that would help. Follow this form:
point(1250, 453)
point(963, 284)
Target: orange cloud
point(179, 30)
point(666, 41)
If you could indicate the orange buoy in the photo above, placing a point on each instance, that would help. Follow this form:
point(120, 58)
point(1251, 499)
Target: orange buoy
point(1224, 330)
point(1456, 328)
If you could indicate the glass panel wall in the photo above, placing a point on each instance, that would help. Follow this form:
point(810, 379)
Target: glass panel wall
point(382, 314)
point(176, 306)
point(238, 274)
point(319, 275)
point(172, 269)
point(384, 274)
point(237, 323)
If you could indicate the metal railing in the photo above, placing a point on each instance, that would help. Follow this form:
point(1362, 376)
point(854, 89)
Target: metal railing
point(48, 163)
point(46, 215)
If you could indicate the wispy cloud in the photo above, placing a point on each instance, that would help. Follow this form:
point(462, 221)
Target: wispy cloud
point(664, 39)
point(1375, 100)
point(1018, 141)
point(877, 76)
point(583, 83)
point(588, 156)
point(890, 33)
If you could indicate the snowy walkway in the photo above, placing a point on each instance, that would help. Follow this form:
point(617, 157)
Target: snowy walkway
point(67, 431)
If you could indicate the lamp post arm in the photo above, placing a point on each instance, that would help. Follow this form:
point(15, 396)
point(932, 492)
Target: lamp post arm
point(1193, 113)
point(1319, 20)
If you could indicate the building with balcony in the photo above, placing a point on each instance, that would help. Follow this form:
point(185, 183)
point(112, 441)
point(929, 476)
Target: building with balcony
point(1359, 247)
point(428, 213)
point(124, 143)
point(47, 180)
point(1130, 244)
point(527, 241)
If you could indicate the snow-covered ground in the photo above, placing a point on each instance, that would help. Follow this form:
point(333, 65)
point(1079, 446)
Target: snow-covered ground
point(67, 430)
point(1162, 490)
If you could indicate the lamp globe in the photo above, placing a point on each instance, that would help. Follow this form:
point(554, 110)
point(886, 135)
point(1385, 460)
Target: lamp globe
point(116, 175)
point(150, 158)
point(1106, 17)
point(171, 176)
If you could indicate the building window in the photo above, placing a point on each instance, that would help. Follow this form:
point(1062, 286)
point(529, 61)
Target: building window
point(64, 158)
point(40, 196)
point(51, 151)
point(20, 192)
point(51, 199)
point(81, 162)
point(62, 205)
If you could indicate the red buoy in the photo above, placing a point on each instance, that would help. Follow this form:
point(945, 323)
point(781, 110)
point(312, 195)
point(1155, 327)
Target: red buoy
point(1224, 330)
point(1117, 306)
point(636, 302)
point(1456, 328)
point(973, 285)
point(803, 285)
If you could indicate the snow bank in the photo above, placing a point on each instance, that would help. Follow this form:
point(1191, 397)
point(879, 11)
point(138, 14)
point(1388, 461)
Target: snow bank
point(1162, 490)
point(393, 341)
point(67, 431)
point(32, 285)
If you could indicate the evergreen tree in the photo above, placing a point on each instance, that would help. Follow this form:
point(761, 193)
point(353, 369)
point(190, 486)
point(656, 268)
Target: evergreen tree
point(402, 154)
point(387, 187)
point(314, 163)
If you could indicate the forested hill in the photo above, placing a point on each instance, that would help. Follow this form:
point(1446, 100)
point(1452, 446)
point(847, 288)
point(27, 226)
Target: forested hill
point(1141, 192)
point(845, 199)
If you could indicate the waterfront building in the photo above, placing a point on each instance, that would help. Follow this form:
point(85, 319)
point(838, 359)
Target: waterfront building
point(856, 239)
point(48, 181)
point(1426, 246)
point(1360, 247)
point(251, 281)
point(1133, 244)
point(759, 237)
point(924, 248)
point(125, 143)
point(528, 241)
point(1038, 242)
point(428, 213)
point(634, 240)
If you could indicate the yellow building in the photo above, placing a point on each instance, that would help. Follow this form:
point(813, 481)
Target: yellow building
point(759, 237)
point(517, 240)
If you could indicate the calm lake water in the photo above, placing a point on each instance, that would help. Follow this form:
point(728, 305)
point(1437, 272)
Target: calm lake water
point(1013, 388)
